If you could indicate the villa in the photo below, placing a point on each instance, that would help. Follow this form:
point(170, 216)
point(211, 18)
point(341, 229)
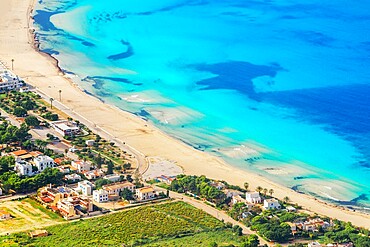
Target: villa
point(85, 187)
point(23, 168)
point(145, 193)
point(100, 196)
point(72, 177)
point(74, 207)
point(66, 128)
point(9, 81)
point(113, 177)
point(115, 189)
point(271, 204)
point(81, 166)
point(253, 197)
point(42, 162)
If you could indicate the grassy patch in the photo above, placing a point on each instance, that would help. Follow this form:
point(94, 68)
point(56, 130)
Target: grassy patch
point(148, 225)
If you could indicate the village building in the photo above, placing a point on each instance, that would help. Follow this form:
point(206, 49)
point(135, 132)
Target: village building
point(65, 128)
point(1, 192)
point(145, 193)
point(85, 187)
point(9, 81)
point(4, 215)
point(116, 188)
point(253, 197)
point(100, 196)
point(231, 193)
point(72, 177)
point(81, 166)
point(166, 179)
point(95, 174)
point(74, 207)
point(42, 162)
point(218, 185)
point(314, 244)
point(23, 168)
point(52, 196)
point(113, 177)
point(271, 204)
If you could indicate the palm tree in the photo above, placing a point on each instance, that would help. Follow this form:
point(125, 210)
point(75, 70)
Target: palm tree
point(51, 103)
point(286, 199)
point(60, 95)
point(246, 185)
point(259, 189)
point(265, 191)
point(271, 191)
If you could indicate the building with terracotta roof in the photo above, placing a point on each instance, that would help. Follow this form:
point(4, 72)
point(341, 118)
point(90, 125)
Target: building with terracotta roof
point(116, 188)
point(145, 193)
point(4, 215)
point(81, 166)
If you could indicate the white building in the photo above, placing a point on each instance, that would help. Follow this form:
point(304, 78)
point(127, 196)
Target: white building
point(42, 162)
point(9, 81)
point(113, 177)
point(73, 177)
point(271, 204)
point(115, 189)
point(23, 168)
point(81, 166)
point(314, 244)
point(86, 187)
point(145, 193)
point(253, 197)
point(100, 196)
point(1, 192)
point(66, 128)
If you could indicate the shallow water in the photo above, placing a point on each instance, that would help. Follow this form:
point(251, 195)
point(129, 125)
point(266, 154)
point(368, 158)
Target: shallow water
point(290, 81)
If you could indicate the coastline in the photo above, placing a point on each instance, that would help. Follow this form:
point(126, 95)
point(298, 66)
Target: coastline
point(43, 72)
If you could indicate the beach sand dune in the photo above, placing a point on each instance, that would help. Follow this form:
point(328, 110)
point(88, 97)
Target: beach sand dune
point(40, 70)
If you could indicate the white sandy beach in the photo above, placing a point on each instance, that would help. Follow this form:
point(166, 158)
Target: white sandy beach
point(41, 71)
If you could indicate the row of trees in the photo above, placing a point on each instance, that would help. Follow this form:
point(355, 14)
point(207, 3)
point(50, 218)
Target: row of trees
point(10, 134)
point(199, 186)
point(11, 181)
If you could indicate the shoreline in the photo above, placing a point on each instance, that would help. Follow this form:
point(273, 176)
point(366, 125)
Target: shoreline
point(42, 71)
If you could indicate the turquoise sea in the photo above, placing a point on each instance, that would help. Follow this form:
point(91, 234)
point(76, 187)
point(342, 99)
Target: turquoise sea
point(273, 86)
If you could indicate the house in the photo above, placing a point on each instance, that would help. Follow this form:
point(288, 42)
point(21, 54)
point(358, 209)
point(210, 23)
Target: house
point(4, 215)
point(1, 192)
point(85, 187)
point(73, 177)
point(18, 153)
point(313, 224)
point(293, 227)
point(271, 204)
point(231, 193)
point(66, 128)
point(145, 193)
point(100, 196)
point(116, 188)
point(113, 177)
point(73, 207)
point(291, 209)
point(38, 233)
point(166, 179)
point(42, 162)
point(81, 166)
point(23, 168)
point(238, 199)
point(253, 197)
point(9, 81)
point(90, 143)
point(64, 169)
point(218, 185)
point(52, 196)
point(95, 174)
point(314, 244)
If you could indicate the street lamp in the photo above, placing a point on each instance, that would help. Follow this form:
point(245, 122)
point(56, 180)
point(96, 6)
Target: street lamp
point(12, 63)
point(60, 95)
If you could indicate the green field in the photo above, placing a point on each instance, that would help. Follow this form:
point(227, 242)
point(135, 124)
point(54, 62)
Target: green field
point(169, 224)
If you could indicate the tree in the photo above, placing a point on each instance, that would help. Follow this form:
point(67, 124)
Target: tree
point(213, 244)
point(127, 194)
point(110, 167)
point(286, 199)
point(271, 191)
point(19, 111)
point(265, 191)
point(100, 182)
point(32, 121)
point(246, 186)
point(259, 189)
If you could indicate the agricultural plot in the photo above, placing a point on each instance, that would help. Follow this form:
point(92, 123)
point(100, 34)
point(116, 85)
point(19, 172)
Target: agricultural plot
point(26, 214)
point(140, 226)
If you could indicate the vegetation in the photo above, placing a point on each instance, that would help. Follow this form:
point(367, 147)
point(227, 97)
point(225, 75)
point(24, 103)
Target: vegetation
point(135, 227)
point(11, 181)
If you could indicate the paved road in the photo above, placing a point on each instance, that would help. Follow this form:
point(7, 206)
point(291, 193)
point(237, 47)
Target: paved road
point(140, 157)
point(221, 215)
